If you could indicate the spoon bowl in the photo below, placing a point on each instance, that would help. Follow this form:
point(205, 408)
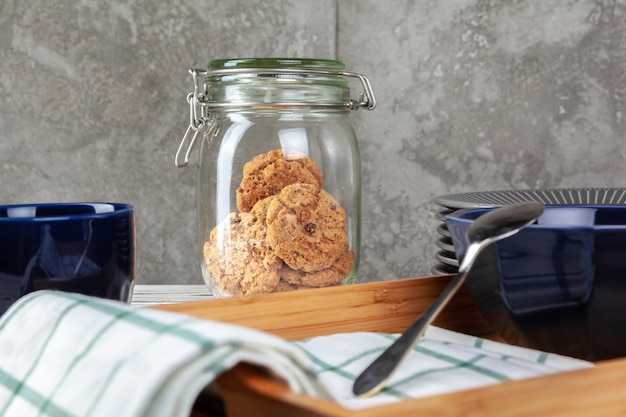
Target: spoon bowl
point(488, 228)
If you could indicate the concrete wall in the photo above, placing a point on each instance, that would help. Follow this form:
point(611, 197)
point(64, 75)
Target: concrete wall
point(472, 95)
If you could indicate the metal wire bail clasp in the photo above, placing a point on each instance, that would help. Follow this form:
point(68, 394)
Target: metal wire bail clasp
point(366, 98)
point(197, 118)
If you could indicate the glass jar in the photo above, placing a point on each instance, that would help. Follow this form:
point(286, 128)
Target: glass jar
point(279, 182)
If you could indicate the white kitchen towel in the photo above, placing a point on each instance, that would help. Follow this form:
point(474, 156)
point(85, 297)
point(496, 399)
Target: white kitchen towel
point(68, 355)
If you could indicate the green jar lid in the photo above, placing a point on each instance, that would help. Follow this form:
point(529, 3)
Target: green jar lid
point(302, 63)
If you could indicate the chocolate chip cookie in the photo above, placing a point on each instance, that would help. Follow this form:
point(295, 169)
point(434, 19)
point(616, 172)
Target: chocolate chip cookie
point(306, 227)
point(238, 257)
point(330, 276)
point(267, 174)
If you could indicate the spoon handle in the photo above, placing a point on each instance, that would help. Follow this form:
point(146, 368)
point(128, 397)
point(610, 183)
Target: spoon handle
point(376, 375)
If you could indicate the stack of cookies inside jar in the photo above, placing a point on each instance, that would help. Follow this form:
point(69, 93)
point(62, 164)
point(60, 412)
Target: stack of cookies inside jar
point(288, 233)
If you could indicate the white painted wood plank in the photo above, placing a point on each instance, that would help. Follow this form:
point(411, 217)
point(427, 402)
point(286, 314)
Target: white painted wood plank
point(144, 295)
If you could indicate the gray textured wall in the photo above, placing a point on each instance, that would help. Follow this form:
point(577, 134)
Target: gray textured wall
point(473, 95)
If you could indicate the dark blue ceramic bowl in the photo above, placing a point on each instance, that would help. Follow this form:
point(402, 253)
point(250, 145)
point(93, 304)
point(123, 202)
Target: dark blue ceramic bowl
point(558, 285)
point(87, 248)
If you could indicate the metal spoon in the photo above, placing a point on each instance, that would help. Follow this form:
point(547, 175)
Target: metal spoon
point(488, 228)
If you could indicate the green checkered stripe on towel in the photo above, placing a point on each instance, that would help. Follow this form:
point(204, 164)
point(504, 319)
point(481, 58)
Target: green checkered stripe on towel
point(443, 361)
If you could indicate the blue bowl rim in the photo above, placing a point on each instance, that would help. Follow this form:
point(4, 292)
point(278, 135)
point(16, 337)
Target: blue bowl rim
point(120, 209)
point(455, 216)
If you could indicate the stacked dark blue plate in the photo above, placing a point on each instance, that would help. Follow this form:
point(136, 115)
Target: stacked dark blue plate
point(447, 262)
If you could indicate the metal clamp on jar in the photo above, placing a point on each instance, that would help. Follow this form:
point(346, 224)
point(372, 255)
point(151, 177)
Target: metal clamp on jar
point(279, 185)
